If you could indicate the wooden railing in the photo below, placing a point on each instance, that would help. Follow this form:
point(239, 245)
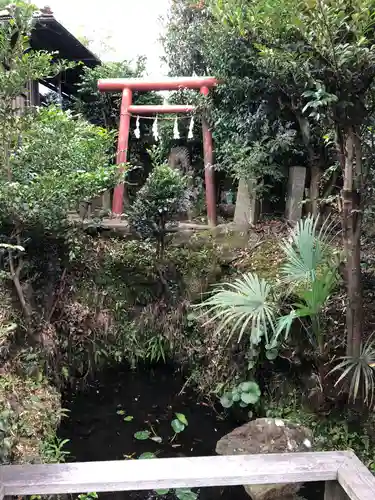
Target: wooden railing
point(344, 475)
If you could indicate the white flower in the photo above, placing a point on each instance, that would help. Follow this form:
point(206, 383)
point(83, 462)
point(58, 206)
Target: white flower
point(307, 443)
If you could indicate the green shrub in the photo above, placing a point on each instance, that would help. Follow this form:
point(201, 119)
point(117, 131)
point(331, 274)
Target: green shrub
point(30, 413)
point(254, 307)
point(63, 160)
point(158, 202)
point(50, 161)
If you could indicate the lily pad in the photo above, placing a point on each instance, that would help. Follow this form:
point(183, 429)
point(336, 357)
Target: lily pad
point(186, 494)
point(181, 417)
point(177, 426)
point(146, 455)
point(142, 435)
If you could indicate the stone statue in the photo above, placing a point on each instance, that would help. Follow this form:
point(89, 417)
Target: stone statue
point(179, 159)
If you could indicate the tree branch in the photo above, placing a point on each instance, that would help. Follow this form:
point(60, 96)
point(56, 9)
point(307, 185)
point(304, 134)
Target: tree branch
point(15, 275)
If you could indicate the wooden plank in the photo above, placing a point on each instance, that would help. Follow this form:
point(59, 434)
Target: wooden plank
point(356, 480)
point(130, 475)
point(333, 491)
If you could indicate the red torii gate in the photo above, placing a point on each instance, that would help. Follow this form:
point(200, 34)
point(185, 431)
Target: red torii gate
point(127, 86)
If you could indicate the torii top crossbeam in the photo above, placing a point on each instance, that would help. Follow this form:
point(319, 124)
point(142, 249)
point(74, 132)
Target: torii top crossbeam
point(127, 86)
point(193, 83)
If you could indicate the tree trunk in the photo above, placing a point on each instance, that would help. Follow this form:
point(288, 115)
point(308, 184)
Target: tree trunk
point(15, 275)
point(351, 225)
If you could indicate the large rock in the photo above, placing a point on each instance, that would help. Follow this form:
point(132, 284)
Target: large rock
point(267, 435)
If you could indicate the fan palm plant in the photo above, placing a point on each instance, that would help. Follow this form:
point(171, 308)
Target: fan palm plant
point(310, 271)
point(360, 371)
point(247, 303)
point(306, 250)
point(312, 297)
point(252, 305)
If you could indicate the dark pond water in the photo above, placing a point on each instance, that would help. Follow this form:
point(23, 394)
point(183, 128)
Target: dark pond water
point(97, 430)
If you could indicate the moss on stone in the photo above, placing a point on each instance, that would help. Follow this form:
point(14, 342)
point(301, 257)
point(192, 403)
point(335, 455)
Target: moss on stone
point(265, 260)
point(198, 265)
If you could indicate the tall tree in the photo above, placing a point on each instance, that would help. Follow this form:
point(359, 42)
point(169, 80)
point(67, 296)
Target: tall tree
point(330, 46)
point(103, 108)
point(250, 134)
point(50, 160)
point(258, 124)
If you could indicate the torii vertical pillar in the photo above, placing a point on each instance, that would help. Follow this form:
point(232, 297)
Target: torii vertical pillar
point(208, 154)
point(120, 194)
point(203, 84)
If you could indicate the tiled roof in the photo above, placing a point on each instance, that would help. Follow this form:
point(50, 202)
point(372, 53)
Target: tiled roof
point(48, 34)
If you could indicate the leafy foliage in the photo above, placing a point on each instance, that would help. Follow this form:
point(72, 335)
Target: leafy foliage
point(329, 42)
point(310, 270)
point(245, 303)
point(147, 455)
point(294, 73)
point(182, 40)
point(328, 49)
point(88, 496)
point(5, 437)
point(306, 250)
point(359, 372)
point(246, 393)
point(338, 431)
point(185, 494)
point(62, 161)
point(254, 135)
point(52, 450)
point(103, 108)
point(30, 412)
point(158, 202)
point(180, 423)
point(49, 160)
point(252, 306)
point(20, 65)
point(142, 435)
